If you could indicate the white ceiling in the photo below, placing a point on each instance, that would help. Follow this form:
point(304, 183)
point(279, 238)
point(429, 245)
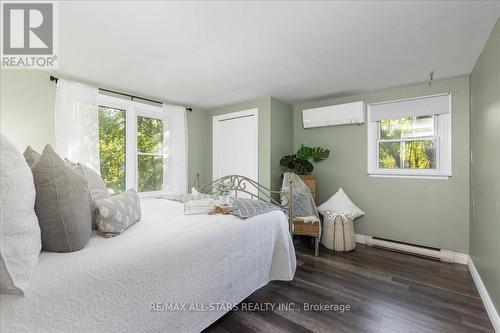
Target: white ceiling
point(209, 54)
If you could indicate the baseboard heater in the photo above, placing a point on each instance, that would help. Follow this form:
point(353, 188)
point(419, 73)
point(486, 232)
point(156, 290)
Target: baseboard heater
point(422, 251)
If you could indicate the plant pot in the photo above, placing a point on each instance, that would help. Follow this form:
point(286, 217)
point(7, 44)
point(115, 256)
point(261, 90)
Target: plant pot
point(310, 181)
point(224, 200)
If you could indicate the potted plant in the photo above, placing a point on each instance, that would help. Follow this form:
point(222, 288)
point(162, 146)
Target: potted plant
point(223, 189)
point(301, 163)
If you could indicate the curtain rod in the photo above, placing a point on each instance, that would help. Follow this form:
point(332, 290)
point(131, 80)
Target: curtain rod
point(55, 79)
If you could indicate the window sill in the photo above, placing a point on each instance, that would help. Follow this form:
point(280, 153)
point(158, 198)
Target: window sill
point(411, 176)
point(152, 194)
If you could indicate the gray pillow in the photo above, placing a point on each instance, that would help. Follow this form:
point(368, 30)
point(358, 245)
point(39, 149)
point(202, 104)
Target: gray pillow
point(31, 156)
point(118, 213)
point(62, 204)
point(246, 208)
point(96, 186)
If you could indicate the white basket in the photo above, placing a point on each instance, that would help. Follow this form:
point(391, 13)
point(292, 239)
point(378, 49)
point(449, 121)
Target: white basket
point(338, 232)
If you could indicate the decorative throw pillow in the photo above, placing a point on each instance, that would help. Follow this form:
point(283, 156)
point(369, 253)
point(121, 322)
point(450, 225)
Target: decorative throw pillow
point(340, 203)
point(19, 230)
point(62, 204)
point(31, 156)
point(118, 213)
point(246, 208)
point(96, 186)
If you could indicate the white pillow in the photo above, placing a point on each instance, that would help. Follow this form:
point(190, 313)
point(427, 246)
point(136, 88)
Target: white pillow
point(340, 203)
point(20, 241)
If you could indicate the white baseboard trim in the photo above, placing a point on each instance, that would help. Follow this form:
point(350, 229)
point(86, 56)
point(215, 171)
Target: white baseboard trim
point(485, 297)
point(461, 258)
point(450, 256)
point(464, 259)
point(361, 239)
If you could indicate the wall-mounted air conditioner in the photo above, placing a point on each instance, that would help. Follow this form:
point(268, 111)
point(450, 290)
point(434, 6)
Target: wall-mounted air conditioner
point(348, 113)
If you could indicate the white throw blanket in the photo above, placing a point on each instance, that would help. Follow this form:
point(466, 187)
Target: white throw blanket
point(167, 257)
point(304, 206)
point(303, 202)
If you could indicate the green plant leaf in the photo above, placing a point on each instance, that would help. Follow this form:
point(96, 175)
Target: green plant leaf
point(285, 160)
point(304, 152)
point(319, 154)
point(300, 162)
point(288, 161)
point(223, 188)
point(303, 167)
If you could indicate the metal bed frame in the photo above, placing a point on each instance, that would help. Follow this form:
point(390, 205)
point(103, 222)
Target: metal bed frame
point(238, 183)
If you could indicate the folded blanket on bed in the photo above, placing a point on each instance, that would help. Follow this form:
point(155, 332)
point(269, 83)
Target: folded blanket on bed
point(187, 197)
point(246, 208)
point(195, 207)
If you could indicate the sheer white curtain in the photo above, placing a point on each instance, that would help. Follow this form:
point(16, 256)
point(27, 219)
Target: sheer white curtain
point(77, 123)
point(177, 145)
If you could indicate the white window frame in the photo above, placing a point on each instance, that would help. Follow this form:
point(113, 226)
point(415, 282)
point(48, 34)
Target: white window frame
point(134, 109)
point(443, 138)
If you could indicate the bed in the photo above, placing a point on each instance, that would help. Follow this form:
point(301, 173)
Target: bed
point(170, 272)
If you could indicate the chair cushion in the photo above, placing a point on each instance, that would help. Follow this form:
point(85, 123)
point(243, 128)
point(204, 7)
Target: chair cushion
point(19, 230)
point(306, 228)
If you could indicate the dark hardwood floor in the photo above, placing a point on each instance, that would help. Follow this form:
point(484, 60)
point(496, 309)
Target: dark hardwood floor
point(386, 291)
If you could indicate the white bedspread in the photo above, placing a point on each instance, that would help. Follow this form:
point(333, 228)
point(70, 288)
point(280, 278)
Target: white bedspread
point(109, 285)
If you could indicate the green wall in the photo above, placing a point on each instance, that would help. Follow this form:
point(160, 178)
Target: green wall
point(485, 169)
point(199, 142)
point(428, 212)
point(281, 138)
point(27, 108)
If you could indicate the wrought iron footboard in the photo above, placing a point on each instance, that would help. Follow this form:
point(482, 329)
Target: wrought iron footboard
point(242, 184)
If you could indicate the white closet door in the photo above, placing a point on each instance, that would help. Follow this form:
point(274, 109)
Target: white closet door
point(235, 145)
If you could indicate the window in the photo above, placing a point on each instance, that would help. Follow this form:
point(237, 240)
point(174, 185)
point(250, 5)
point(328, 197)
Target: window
point(149, 154)
point(410, 138)
point(112, 147)
point(407, 143)
point(132, 145)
